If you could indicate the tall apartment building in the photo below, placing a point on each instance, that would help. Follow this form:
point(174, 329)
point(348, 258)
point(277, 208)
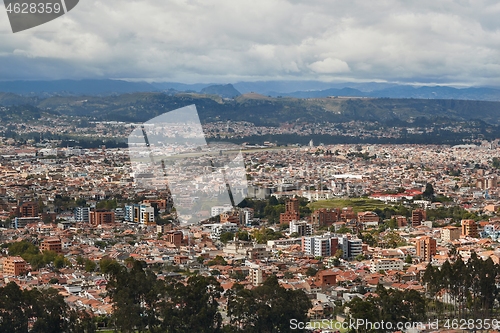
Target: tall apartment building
point(14, 266)
point(417, 216)
point(426, 247)
point(322, 246)
point(302, 228)
point(141, 214)
point(325, 217)
point(450, 233)
point(469, 228)
point(101, 216)
point(82, 214)
point(146, 214)
point(246, 215)
point(351, 247)
point(291, 211)
point(51, 244)
point(28, 209)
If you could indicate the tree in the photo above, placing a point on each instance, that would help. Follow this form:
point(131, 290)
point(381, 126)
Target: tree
point(90, 265)
point(226, 237)
point(243, 235)
point(109, 266)
point(311, 271)
point(267, 308)
point(14, 310)
point(428, 192)
point(59, 261)
point(408, 259)
point(218, 260)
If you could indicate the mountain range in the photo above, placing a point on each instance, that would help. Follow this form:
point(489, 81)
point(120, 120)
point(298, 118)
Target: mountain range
point(298, 89)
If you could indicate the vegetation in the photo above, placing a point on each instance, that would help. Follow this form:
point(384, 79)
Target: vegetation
point(31, 253)
point(143, 303)
point(45, 310)
point(391, 305)
point(358, 204)
point(470, 287)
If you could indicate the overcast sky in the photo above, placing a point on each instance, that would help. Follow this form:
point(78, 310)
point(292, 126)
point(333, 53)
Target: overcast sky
point(425, 41)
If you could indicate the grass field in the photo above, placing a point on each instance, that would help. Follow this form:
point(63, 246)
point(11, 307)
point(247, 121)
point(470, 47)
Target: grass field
point(358, 204)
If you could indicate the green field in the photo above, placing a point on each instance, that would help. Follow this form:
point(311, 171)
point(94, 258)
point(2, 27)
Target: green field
point(358, 204)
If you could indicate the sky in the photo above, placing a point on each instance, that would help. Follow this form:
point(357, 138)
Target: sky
point(423, 42)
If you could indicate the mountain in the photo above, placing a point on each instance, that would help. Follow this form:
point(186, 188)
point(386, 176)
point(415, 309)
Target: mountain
point(264, 110)
point(298, 89)
point(425, 92)
point(224, 91)
point(74, 87)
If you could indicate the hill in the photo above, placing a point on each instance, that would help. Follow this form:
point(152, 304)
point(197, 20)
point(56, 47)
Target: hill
point(224, 91)
point(264, 110)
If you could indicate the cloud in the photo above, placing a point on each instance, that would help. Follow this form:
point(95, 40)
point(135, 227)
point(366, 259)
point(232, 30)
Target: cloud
point(227, 41)
point(329, 66)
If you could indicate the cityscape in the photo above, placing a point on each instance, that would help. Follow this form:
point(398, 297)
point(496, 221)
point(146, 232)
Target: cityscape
point(273, 166)
point(335, 222)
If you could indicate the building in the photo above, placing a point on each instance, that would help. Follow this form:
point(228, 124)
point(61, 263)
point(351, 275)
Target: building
point(401, 221)
point(28, 209)
point(14, 266)
point(146, 214)
point(129, 213)
point(82, 214)
point(302, 228)
point(255, 273)
point(469, 228)
point(246, 216)
point(291, 211)
point(417, 216)
point(386, 264)
point(327, 278)
point(232, 216)
point(21, 222)
point(51, 244)
point(450, 233)
point(164, 228)
point(426, 248)
point(174, 237)
point(322, 246)
point(161, 204)
point(217, 210)
point(347, 214)
point(101, 216)
point(325, 217)
point(368, 218)
point(219, 229)
point(351, 247)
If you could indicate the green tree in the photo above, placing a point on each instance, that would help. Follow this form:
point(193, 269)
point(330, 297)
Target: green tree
point(428, 192)
point(408, 259)
point(90, 265)
point(226, 237)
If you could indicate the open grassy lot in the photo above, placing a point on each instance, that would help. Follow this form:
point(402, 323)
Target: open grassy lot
point(358, 204)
